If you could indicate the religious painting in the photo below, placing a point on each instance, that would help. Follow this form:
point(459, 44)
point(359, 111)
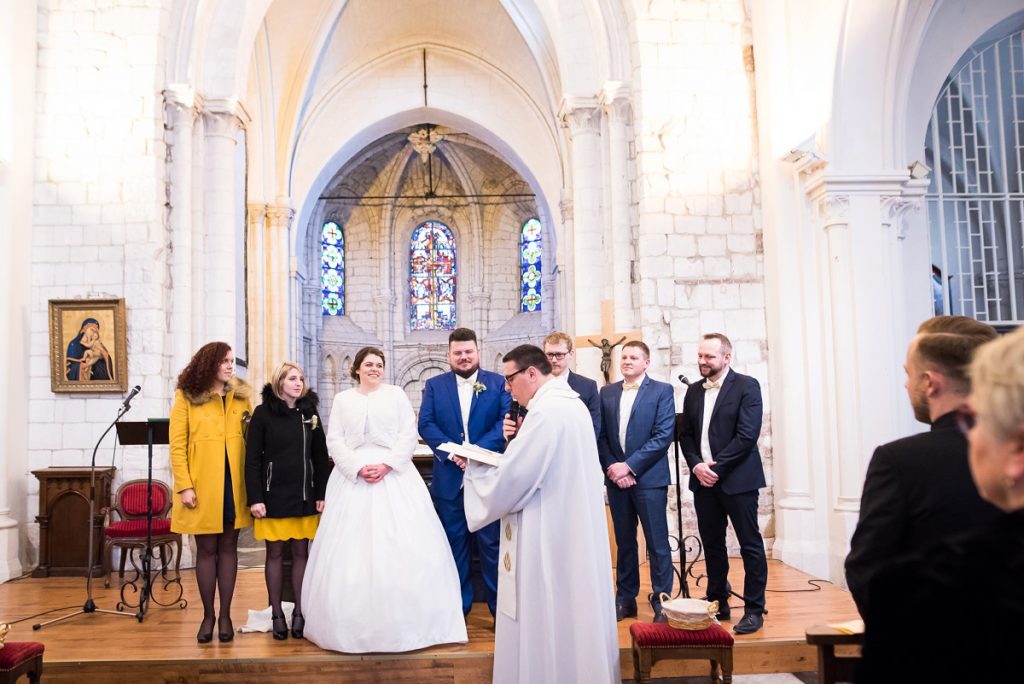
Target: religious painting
point(88, 345)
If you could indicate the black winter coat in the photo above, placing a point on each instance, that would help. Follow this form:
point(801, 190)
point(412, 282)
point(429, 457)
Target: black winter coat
point(286, 465)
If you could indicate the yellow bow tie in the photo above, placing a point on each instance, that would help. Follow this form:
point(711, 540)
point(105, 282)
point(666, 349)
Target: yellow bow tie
point(626, 386)
point(712, 385)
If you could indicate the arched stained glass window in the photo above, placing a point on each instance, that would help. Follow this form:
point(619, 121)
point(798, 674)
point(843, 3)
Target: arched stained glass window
point(530, 266)
point(332, 269)
point(432, 277)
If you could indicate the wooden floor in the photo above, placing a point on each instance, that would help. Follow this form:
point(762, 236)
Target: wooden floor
point(110, 648)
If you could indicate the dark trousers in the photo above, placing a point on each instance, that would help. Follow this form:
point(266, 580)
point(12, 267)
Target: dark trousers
point(453, 518)
point(713, 508)
point(648, 507)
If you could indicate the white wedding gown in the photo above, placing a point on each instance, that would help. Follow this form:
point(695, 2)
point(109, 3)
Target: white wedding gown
point(380, 575)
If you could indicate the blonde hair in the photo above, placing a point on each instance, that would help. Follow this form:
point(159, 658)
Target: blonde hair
point(556, 337)
point(277, 379)
point(997, 384)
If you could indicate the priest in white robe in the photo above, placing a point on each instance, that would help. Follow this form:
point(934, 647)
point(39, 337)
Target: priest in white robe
point(556, 602)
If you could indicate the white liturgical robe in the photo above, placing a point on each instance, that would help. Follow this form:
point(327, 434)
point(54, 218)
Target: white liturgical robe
point(556, 600)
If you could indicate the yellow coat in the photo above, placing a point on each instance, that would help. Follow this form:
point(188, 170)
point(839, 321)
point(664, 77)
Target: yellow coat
point(201, 427)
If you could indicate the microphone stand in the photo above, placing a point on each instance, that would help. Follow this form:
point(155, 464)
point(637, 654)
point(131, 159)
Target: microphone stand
point(90, 605)
point(680, 539)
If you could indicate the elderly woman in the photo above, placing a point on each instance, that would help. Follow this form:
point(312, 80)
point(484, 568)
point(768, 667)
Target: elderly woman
point(207, 460)
point(956, 612)
point(286, 470)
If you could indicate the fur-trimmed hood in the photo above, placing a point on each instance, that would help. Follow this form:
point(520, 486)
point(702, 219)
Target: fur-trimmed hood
point(240, 387)
point(307, 405)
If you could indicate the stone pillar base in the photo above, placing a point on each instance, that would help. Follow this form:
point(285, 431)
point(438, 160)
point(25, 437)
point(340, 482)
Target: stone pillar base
point(10, 563)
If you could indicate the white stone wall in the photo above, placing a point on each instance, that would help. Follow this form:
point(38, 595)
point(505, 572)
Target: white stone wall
point(699, 245)
point(98, 224)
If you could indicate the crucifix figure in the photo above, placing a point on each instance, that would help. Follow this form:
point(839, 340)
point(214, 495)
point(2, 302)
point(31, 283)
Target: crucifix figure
point(606, 355)
point(607, 334)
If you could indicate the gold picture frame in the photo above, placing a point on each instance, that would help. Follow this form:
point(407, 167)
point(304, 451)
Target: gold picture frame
point(88, 345)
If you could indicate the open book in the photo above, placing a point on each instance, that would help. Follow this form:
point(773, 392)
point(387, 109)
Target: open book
point(472, 452)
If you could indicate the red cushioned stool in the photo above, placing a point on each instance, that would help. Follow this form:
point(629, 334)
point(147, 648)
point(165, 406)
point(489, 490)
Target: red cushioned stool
point(659, 641)
point(19, 658)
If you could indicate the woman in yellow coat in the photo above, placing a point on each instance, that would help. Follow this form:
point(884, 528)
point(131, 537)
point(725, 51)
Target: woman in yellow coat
point(208, 464)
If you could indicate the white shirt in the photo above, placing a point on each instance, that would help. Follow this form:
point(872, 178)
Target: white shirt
point(626, 408)
point(710, 397)
point(465, 389)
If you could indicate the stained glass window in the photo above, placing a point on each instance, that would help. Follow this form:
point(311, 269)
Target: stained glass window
point(332, 269)
point(530, 266)
point(432, 277)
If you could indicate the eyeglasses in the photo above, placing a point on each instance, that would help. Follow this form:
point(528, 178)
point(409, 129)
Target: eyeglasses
point(508, 378)
point(965, 419)
point(556, 356)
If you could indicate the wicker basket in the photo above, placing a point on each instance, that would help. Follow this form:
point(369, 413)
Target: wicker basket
point(691, 614)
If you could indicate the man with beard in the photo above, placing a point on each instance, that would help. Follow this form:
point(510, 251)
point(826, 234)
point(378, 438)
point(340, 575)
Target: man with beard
point(918, 490)
point(467, 404)
point(721, 424)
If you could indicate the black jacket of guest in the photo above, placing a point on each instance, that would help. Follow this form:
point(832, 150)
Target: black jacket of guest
point(952, 613)
point(918, 491)
point(286, 465)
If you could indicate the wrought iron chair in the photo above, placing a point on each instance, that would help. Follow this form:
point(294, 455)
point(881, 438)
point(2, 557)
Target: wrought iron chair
point(129, 532)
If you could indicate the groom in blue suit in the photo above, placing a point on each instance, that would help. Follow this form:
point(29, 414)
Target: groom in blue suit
point(467, 404)
point(637, 423)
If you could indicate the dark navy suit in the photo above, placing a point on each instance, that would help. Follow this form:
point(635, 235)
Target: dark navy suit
point(587, 389)
point(732, 435)
point(441, 421)
point(648, 436)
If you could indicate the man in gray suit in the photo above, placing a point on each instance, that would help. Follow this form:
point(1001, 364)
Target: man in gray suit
point(560, 352)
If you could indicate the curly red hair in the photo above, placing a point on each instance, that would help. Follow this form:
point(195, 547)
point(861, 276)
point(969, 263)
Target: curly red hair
point(201, 372)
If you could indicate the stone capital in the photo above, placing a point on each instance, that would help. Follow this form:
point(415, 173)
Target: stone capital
point(615, 98)
point(256, 212)
point(223, 116)
point(581, 115)
point(182, 98)
point(279, 215)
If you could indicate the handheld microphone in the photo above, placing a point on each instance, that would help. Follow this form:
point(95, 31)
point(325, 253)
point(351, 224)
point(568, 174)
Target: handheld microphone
point(514, 409)
point(131, 395)
point(682, 379)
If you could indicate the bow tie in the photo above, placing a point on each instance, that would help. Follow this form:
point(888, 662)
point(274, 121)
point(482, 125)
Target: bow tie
point(712, 385)
point(464, 381)
point(627, 386)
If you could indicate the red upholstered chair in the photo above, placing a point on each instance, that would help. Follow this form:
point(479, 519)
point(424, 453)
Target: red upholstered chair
point(19, 658)
point(659, 641)
point(129, 532)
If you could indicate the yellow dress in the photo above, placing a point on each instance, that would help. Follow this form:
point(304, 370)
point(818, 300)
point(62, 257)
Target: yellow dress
point(283, 529)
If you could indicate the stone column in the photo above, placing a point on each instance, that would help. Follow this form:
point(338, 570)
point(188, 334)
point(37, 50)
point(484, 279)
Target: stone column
point(222, 119)
point(18, 61)
point(616, 103)
point(582, 117)
point(180, 108)
point(278, 324)
point(256, 250)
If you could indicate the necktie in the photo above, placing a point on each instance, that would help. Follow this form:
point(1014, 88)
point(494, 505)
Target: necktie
point(627, 386)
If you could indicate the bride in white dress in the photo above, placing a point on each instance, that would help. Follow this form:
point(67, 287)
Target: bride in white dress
point(380, 576)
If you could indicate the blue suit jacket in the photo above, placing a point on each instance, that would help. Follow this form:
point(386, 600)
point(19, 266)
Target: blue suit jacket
point(648, 434)
point(441, 421)
point(587, 389)
point(732, 433)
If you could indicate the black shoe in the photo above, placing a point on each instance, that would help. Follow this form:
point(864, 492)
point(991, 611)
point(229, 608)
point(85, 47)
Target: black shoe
point(298, 625)
point(624, 609)
point(280, 627)
point(227, 629)
point(205, 634)
point(659, 614)
point(724, 613)
point(749, 623)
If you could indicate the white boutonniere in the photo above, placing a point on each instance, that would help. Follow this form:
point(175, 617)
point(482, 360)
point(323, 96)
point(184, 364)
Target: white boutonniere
point(313, 422)
point(479, 387)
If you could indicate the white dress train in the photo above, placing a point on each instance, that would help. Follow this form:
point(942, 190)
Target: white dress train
point(380, 575)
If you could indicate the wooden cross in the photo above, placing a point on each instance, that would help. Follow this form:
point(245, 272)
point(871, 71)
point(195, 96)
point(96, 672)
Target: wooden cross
point(607, 339)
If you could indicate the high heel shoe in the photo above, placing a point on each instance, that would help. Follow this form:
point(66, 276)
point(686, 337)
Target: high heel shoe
point(298, 624)
point(206, 636)
point(228, 634)
point(280, 627)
